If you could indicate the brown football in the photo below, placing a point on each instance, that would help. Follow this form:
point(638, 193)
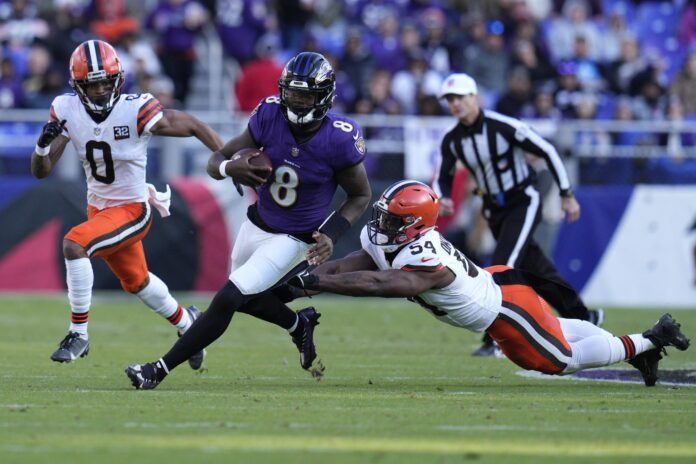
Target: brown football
point(261, 160)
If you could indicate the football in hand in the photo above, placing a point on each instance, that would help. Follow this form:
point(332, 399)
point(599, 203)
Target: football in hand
point(255, 157)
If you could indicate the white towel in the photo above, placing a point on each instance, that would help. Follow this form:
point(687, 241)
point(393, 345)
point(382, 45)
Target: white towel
point(159, 200)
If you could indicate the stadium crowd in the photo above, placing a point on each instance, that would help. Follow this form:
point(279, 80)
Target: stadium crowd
point(553, 59)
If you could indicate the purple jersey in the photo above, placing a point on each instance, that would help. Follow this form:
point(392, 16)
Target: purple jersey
point(297, 196)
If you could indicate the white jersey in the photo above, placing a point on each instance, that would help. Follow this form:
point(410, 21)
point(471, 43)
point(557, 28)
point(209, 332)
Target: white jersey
point(113, 152)
point(472, 300)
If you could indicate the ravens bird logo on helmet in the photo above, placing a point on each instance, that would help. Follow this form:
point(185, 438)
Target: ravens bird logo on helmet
point(307, 88)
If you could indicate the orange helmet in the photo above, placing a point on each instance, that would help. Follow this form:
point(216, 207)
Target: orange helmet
point(96, 61)
point(405, 211)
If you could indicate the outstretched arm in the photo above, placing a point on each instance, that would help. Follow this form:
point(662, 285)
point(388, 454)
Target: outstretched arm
point(181, 124)
point(387, 283)
point(355, 261)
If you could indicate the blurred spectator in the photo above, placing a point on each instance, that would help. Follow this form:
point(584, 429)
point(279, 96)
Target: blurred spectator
point(626, 137)
point(565, 29)
point(38, 63)
point(621, 72)
point(176, 23)
point(597, 166)
point(417, 81)
point(568, 92)
point(586, 68)
point(378, 99)
point(162, 88)
point(329, 26)
point(19, 25)
point(613, 34)
point(687, 24)
point(240, 23)
point(410, 38)
point(650, 104)
point(11, 92)
point(487, 63)
point(53, 83)
point(346, 93)
point(67, 31)
point(436, 54)
point(518, 93)
point(538, 68)
point(542, 107)
point(677, 139)
point(684, 85)
point(596, 142)
point(357, 63)
point(673, 168)
point(386, 46)
point(110, 20)
point(139, 60)
point(293, 15)
point(259, 77)
point(429, 105)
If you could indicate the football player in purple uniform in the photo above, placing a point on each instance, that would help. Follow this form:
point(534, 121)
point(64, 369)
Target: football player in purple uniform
point(289, 227)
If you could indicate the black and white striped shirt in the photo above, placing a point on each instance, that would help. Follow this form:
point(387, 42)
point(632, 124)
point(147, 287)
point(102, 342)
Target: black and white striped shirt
point(493, 150)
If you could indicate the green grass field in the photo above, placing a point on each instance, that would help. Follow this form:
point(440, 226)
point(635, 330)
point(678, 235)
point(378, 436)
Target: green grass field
point(400, 387)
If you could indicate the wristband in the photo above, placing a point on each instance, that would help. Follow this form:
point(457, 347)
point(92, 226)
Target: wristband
point(334, 226)
point(42, 151)
point(223, 165)
point(567, 193)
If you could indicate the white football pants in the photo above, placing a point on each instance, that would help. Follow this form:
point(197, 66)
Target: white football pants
point(260, 259)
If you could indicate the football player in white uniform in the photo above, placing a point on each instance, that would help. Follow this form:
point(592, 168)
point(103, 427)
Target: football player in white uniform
point(110, 132)
point(404, 256)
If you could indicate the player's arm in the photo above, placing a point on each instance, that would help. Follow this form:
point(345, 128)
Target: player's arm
point(353, 181)
point(388, 283)
point(533, 143)
point(175, 123)
point(448, 166)
point(239, 169)
point(49, 148)
point(356, 261)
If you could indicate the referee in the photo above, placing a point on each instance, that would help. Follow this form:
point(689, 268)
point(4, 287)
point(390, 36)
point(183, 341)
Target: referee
point(493, 147)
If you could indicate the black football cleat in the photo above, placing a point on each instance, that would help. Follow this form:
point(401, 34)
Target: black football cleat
point(647, 363)
point(195, 361)
point(303, 336)
point(596, 316)
point(70, 348)
point(145, 376)
point(487, 348)
point(667, 332)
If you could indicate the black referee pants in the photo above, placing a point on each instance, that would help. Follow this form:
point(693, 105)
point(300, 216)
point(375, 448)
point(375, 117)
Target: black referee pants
point(513, 226)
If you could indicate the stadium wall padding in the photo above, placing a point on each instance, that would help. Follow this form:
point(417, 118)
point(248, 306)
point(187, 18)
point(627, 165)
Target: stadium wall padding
point(189, 250)
point(633, 246)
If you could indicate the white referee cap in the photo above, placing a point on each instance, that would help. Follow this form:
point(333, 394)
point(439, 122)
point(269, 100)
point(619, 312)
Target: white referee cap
point(458, 84)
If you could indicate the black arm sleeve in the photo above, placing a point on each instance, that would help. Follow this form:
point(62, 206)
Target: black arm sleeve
point(447, 167)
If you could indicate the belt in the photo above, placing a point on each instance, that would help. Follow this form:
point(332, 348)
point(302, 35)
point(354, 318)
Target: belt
point(502, 198)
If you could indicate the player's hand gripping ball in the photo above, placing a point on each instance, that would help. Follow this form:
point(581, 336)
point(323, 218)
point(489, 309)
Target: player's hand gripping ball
point(250, 167)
